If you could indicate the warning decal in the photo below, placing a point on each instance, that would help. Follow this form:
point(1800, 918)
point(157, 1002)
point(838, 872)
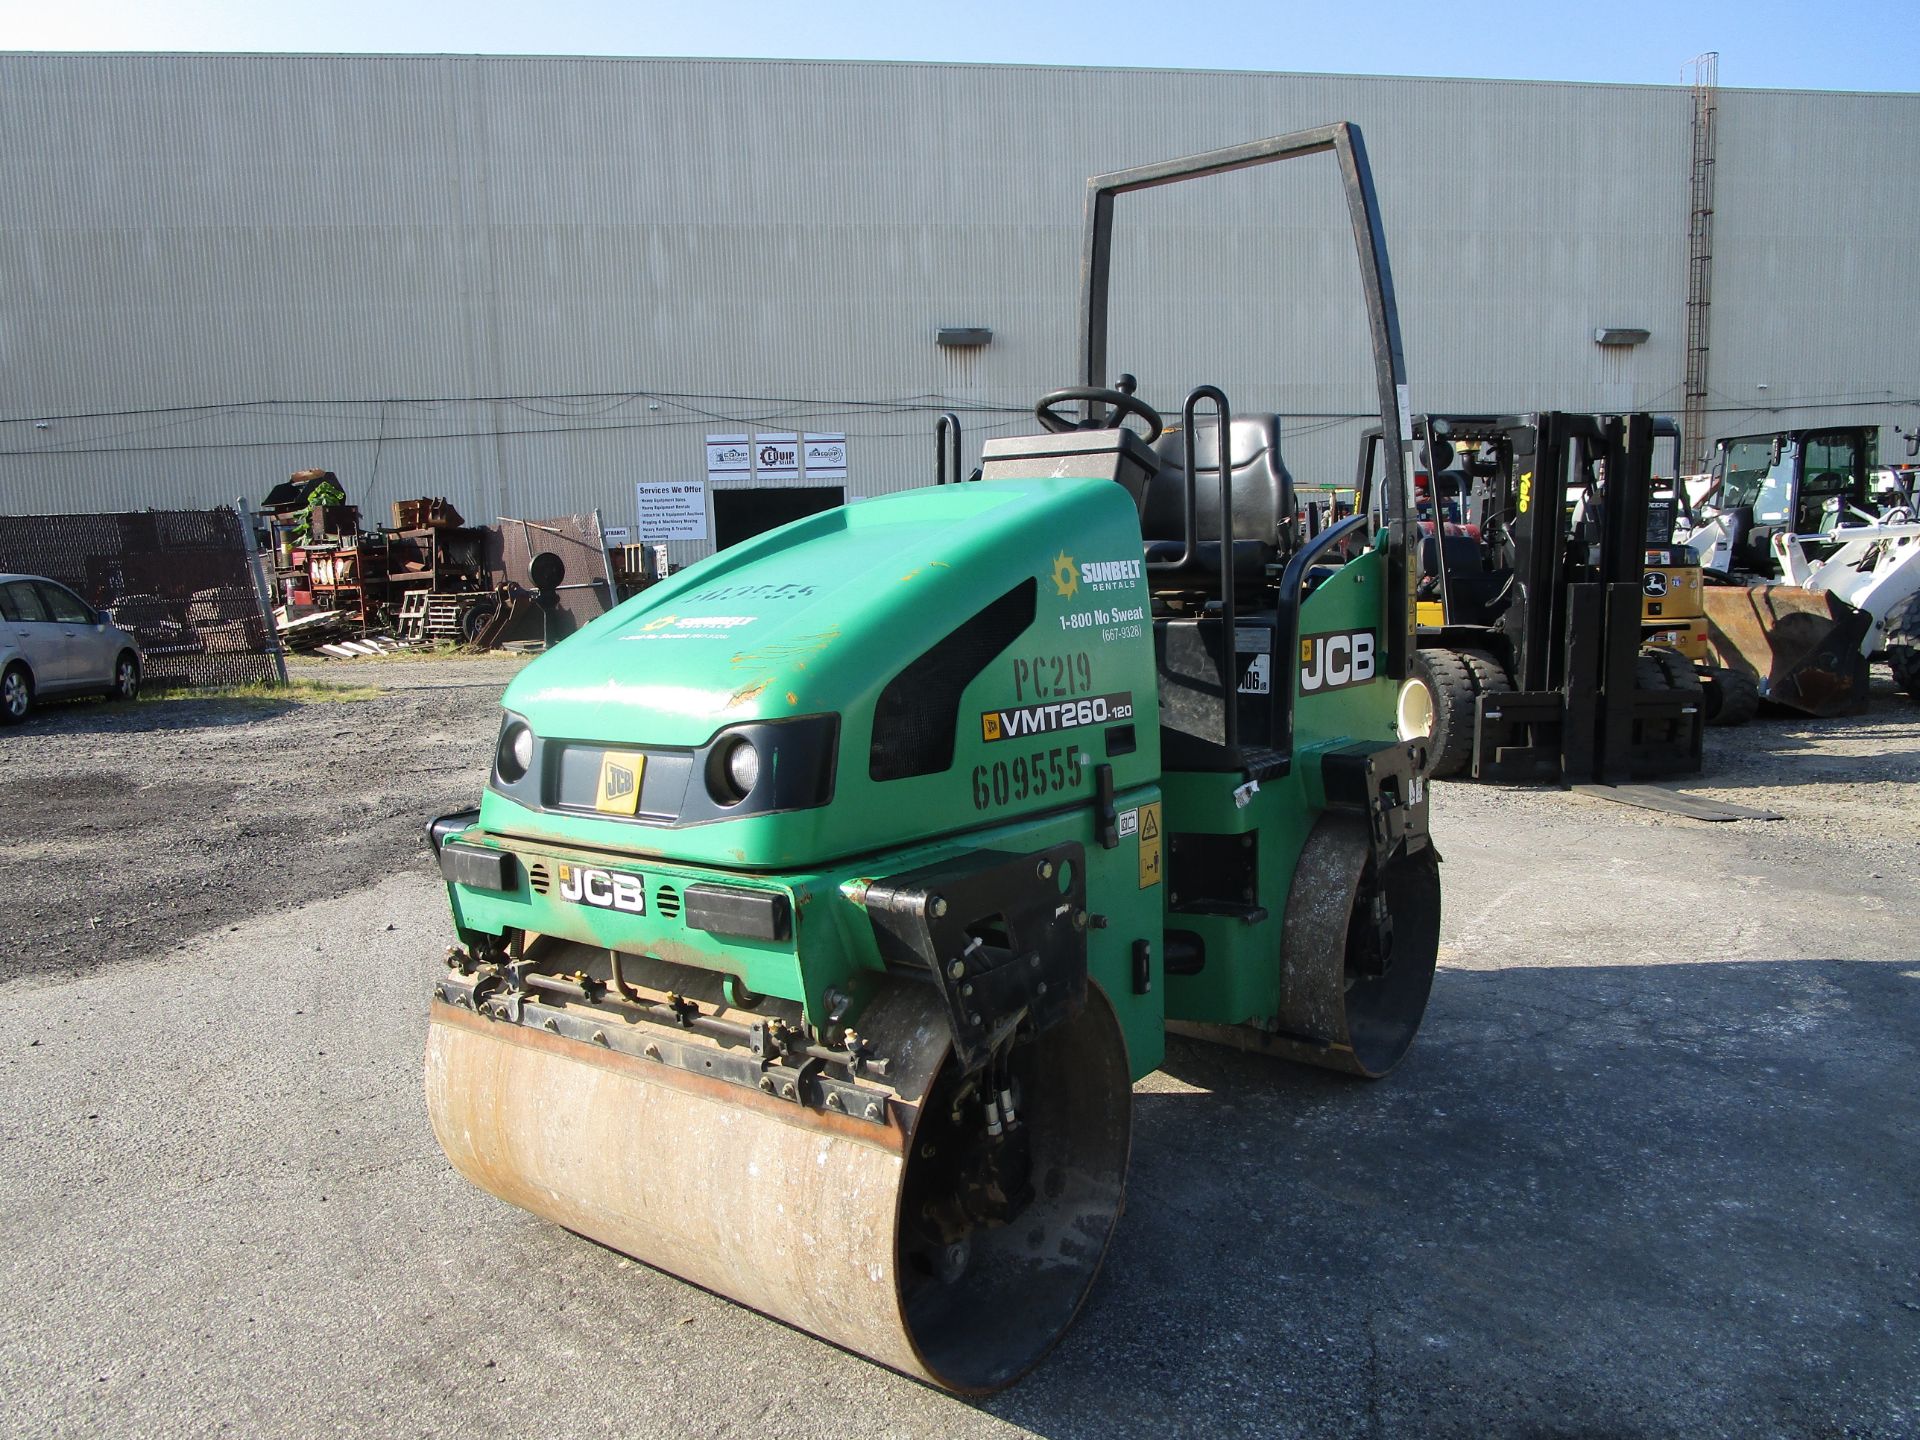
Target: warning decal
point(1149, 845)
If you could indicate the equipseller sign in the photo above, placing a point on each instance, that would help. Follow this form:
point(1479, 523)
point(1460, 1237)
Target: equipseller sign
point(1027, 720)
point(776, 457)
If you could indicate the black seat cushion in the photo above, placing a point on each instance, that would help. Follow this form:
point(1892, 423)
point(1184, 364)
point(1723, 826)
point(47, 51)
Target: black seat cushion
point(1477, 594)
point(1262, 496)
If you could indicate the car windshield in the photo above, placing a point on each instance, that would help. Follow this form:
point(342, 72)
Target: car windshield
point(1750, 477)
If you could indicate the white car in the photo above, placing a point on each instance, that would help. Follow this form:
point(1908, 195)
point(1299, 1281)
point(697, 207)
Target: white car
point(53, 643)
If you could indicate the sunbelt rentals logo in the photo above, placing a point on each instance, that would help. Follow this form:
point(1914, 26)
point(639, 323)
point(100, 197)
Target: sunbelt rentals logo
point(1070, 578)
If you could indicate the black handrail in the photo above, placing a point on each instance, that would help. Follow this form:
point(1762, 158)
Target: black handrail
point(1223, 469)
point(1287, 623)
point(946, 440)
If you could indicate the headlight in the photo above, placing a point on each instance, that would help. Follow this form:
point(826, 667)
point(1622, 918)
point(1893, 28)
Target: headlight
point(733, 771)
point(514, 756)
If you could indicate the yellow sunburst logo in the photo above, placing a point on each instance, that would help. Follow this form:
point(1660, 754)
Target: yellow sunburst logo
point(1066, 576)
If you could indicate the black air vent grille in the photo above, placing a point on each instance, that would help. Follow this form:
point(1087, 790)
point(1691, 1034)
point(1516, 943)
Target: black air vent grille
point(538, 878)
point(917, 714)
point(666, 902)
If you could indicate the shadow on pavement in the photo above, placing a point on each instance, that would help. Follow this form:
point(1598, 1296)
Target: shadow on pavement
point(1612, 1200)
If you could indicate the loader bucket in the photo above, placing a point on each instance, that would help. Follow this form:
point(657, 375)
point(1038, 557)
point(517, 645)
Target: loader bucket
point(1801, 646)
point(850, 1230)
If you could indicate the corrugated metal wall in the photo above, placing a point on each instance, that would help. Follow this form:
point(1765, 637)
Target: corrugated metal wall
point(334, 255)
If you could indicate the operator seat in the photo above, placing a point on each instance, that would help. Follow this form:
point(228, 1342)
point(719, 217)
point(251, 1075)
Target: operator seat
point(1263, 506)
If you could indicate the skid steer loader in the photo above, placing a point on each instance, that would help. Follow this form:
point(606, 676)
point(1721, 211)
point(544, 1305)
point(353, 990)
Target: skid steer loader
point(827, 898)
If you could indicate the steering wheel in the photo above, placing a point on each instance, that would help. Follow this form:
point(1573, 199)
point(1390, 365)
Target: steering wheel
point(1119, 406)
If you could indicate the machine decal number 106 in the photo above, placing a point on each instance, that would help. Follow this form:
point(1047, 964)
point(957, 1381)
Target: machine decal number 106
point(1027, 777)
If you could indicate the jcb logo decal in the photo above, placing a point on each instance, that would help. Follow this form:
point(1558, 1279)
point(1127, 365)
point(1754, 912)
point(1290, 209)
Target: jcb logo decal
point(603, 889)
point(619, 790)
point(1335, 660)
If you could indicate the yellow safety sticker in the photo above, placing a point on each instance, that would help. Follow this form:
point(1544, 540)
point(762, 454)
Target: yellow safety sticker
point(619, 792)
point(1149, 845)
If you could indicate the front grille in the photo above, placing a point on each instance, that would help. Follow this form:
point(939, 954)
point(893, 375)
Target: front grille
point(538, 878)
point(666, 902)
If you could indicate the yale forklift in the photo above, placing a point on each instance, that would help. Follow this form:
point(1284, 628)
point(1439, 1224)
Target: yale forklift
point(827, 898)
point(1535, 592)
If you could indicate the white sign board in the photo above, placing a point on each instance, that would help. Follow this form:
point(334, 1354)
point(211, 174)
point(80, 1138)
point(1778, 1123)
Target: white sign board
point(775, 456)
point(672, 509)
point(729, 456)
point(616, 534)
point(826, 457)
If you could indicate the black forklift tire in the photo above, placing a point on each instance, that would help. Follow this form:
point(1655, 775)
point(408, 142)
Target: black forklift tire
point(1732, 696)
point(1903, 645)
point(1676, 671)
point(1661, 669)
point(1449, 685)
point(1489, 678)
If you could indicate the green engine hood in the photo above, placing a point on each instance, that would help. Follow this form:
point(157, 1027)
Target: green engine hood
point(818, 618)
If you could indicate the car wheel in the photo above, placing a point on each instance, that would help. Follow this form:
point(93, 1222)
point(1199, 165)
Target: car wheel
point(126, 677)
point(16, 695)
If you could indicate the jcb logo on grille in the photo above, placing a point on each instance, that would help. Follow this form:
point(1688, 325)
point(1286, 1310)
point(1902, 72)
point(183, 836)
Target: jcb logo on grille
point(1335, 661)
point(619, 791)
point(604, 889)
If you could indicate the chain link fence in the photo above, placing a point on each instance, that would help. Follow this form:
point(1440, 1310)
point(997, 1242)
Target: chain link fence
point(179, 581)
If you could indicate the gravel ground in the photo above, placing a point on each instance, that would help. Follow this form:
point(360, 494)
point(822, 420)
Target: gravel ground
point(1649, 1171)
point(129, 828)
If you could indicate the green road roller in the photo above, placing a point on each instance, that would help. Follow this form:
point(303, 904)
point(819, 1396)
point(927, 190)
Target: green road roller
point(827, 898)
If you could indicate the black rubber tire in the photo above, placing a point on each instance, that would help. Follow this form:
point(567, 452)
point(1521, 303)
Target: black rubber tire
point(1903, 645)
point(1450, 687)
point(1732, 696)
point(1675, 669)
point(16, 694)
point(1663, 669)
point(473, 622)
point(1488, 676)
point(126, 678)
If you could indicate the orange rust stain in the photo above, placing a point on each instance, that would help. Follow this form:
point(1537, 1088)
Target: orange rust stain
point(792, 699)
point(747, 692)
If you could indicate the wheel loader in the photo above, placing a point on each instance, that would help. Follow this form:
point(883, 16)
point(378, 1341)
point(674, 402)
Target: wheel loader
point(1538, 601)
point(1792, 481)
point(826, 899)
point(1805, 647)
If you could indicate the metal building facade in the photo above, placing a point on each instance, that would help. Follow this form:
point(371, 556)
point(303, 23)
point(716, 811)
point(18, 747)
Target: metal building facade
point(526, 283)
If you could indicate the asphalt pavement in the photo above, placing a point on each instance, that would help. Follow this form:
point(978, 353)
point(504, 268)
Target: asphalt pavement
point(1651, 1169)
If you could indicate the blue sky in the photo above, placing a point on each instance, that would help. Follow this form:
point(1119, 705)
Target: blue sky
point(1866, 45)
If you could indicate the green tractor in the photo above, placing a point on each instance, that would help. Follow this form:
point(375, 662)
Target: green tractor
point(827, 899)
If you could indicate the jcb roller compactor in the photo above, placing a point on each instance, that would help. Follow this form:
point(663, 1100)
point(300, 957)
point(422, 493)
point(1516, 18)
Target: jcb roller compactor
point(827, 898)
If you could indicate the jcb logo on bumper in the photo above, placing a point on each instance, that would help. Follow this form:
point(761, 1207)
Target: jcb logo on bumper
point(603, 889)
point(1335, 660)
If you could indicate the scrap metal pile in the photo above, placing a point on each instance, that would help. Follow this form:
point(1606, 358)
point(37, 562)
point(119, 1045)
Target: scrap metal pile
point(428, 578)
